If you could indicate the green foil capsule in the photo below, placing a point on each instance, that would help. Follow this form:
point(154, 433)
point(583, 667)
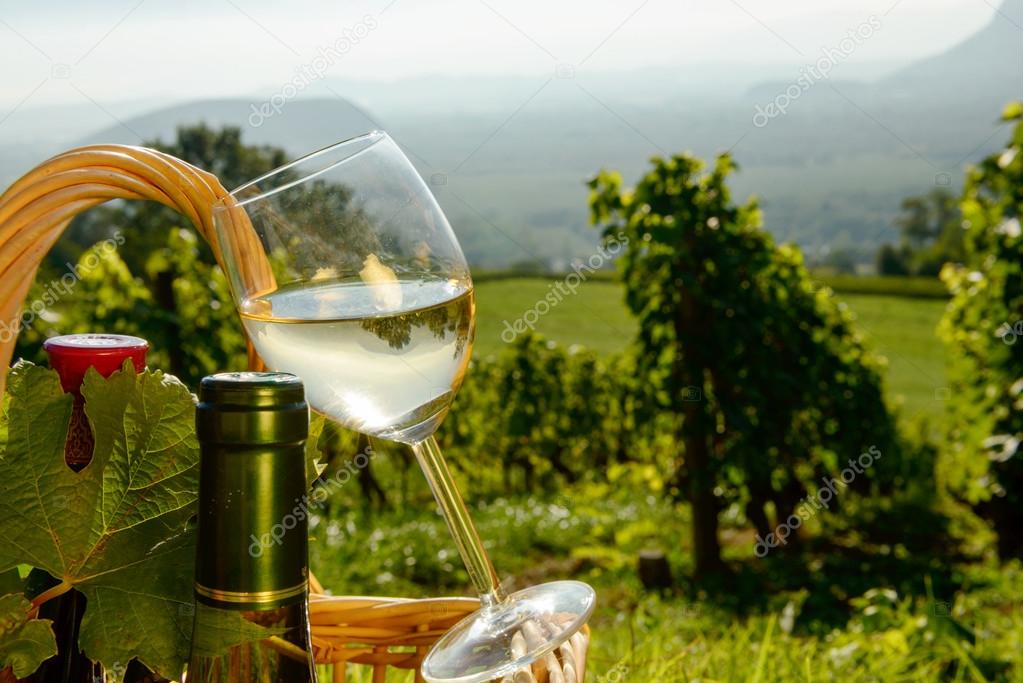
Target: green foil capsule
point(253, 530)
point(252, 578)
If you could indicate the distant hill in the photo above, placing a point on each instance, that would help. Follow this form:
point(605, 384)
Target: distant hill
point(984, 70)
point(509, 167)
point(988, 64)
point(301, 126)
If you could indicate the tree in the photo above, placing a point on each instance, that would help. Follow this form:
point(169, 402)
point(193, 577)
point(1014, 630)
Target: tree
point(841, 260)
point(545, 414)
point(983, 327)
point(764, 384)
point(932, 235)
point(145, 224)
point(198, 334)
point(892, 260)
point(161, 283)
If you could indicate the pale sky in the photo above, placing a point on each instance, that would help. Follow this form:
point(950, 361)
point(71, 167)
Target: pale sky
point(60, 51)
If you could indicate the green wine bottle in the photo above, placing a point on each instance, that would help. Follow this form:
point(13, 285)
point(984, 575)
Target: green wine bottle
point(251, 575)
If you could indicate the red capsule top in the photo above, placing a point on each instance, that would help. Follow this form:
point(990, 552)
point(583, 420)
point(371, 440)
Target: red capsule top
point(71, 355)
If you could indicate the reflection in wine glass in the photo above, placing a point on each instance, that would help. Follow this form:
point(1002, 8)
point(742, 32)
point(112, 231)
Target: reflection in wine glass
point(346, 273)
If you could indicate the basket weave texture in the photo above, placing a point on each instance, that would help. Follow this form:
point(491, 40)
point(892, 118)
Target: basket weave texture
point(393, 632)
point(35, 210)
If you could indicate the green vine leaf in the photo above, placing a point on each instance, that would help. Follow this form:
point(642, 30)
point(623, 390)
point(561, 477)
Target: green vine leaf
point(218, 630)
point(24, 643)
point(118, 531)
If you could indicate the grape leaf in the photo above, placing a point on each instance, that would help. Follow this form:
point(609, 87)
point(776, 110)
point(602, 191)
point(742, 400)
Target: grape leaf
point(218, 630)
point(118, 530)
point(24, 643)
point(11, 582)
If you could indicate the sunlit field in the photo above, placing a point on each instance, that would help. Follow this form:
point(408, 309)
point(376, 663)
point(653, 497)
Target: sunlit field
point(900, 328)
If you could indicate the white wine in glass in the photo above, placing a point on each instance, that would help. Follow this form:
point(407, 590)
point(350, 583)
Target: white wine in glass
point(396, 354)
point(346, 273)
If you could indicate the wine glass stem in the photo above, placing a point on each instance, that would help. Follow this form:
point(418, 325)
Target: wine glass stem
point(470, 547)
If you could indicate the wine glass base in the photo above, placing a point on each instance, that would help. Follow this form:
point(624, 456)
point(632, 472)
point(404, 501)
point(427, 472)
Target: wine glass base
point(499, 639)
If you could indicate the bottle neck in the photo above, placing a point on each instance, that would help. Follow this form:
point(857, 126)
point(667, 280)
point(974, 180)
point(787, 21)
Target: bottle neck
point(252, 555)
point(253, 526)
point(251, 582)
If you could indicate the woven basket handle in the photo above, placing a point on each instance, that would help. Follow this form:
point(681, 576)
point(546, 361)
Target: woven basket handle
point(35, 210)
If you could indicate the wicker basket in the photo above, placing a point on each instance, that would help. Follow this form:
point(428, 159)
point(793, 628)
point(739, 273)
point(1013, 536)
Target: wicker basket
point(392, 632)
point(378, 632)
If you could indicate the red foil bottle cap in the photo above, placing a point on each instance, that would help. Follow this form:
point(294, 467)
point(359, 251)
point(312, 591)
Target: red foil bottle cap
point(71, 355)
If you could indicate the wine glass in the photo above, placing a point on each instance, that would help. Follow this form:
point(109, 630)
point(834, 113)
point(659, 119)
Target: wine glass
point(346, 273)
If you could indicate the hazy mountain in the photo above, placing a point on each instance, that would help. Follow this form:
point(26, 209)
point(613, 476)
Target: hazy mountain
point(830, 172)
point(477, 94)
point(990, 62)
point(299, 126)
point(64, 123)
point(508, 156)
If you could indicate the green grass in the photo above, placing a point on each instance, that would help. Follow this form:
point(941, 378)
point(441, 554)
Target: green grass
point(903, 331)
point(901, 328)
point(916, 287)
point(904, 641)
point(595, 316)
point(682, 643)
point(889, 285)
